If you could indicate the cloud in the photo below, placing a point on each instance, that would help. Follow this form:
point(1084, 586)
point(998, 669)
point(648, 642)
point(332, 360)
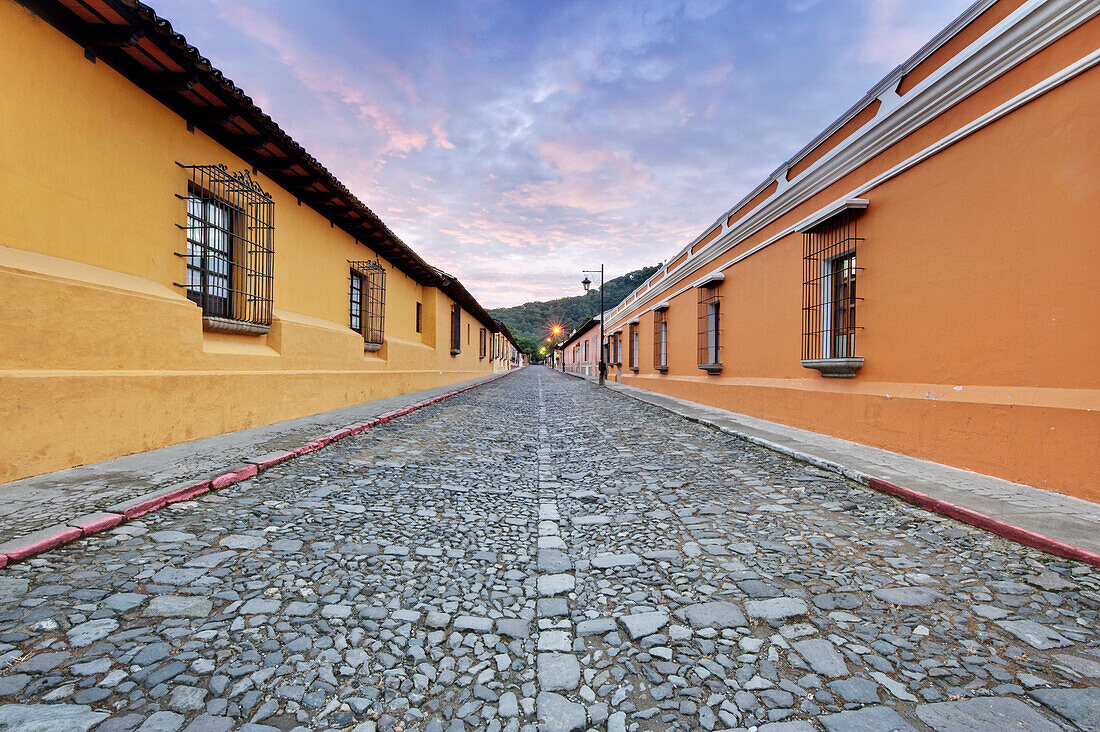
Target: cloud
point(589, 179)
point(896, 29)
point(440, 135)
point(310, 68)
point(517, 144)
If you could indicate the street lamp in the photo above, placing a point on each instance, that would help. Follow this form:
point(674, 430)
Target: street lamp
point(587, 284)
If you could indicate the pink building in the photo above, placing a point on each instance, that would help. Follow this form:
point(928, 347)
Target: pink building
point(581, 350)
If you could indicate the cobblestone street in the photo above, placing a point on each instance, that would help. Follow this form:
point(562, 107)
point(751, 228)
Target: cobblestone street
point(540, 553)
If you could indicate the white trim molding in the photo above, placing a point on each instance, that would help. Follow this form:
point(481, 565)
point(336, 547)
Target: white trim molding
point(833, 209)
point(663, 305)
point(715, 276)
point(1023, 33)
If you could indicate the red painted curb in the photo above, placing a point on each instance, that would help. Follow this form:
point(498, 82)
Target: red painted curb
point(94, 523)
point(238, 474)
point(55, 536)
point(1004, 529)
point(144, 507)
point(187, 491)
point(270, 460)
point(40, 541)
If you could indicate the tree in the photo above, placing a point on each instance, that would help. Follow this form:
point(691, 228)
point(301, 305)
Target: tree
point(529, 321)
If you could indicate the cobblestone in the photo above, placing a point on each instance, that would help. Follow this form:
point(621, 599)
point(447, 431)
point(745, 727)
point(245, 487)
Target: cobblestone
point(540, 552)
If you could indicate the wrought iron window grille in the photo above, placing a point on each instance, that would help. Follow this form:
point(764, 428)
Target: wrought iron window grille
point(230, 256)
point(456, 329)
point(632, 346)
point(710, 329)
point(660, 340)
point(367, 302)
point(419, 317)
point(829, 299)
point(481, 344)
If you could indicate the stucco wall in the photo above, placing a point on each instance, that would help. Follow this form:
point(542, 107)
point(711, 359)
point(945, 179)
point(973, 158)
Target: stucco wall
point(980, 327)
point(103, 355)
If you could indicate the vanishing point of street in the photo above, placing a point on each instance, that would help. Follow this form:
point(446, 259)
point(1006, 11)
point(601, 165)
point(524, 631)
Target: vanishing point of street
point(540, 553)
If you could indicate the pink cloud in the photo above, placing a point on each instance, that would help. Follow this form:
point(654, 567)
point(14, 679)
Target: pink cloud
point(440, 135)
point(318, 76)
point(590, 179)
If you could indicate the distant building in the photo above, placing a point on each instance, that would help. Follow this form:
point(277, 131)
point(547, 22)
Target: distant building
point(922, 276)
point(581, 350)
point(173, 265)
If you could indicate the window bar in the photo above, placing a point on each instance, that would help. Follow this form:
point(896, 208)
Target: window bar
point(660, 341)
point(829, 298)
point(372, 299)
point(710, 356)
point(229, 257)
point(456, 329)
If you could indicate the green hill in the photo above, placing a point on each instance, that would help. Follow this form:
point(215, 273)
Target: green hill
point(530, 321)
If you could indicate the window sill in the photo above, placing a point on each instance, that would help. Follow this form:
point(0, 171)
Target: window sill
point(835, 368)
point(634, 369)
point(662, 369)
point(710, 368)
point(456, 351)
point(371, 347)
point(226, 325)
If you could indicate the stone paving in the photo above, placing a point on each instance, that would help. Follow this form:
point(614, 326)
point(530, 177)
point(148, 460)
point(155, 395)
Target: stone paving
point(540, 554)
point(41, 501)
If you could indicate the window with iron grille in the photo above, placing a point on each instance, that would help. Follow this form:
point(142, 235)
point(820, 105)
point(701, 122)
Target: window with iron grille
point(481, 343)
point(710, 328)
point(230, 253)
point(456, 329)
point(829, 297)
point(660, 340)
point(367, 302)
point(419, 315)
point(355, 307)
point(632, 346)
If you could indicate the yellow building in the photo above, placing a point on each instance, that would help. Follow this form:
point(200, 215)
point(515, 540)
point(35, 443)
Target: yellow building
point(173, 265)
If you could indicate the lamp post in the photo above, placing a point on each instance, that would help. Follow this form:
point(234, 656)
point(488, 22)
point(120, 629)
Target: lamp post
point(588, 283)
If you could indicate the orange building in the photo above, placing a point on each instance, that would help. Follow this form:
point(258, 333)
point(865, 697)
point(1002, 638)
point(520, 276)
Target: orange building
point(921, 277)
point(174, 265)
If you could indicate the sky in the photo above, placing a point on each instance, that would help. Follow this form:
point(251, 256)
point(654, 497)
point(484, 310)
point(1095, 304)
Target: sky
point(514, 144)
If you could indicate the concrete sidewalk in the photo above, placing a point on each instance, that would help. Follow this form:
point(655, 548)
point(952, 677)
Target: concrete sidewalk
point(32, 504)
point(1062, 518)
